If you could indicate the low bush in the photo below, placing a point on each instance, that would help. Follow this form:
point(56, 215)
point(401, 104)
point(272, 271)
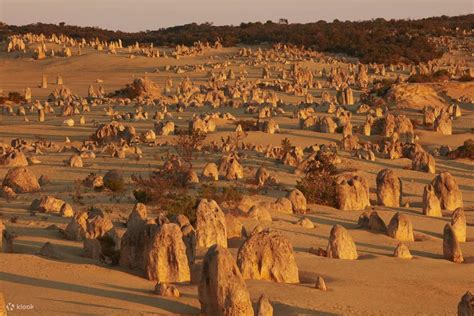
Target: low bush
point(319, 183)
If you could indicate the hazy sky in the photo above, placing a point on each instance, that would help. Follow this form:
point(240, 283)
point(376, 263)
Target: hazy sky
point(135, 15)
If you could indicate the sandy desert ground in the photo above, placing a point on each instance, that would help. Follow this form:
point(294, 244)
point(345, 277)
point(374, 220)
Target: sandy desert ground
point(375, 284)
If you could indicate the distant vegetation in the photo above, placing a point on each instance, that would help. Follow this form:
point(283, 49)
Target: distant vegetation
point(379, 40)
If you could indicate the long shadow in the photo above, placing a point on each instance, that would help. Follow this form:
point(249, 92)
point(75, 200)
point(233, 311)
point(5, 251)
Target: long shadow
point(285, 309)
point(89, 304)
point(331, 221)
point(155, 301)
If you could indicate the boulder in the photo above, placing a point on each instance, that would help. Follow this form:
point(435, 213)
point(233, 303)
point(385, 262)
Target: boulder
point(264, 307)
point(466, 305)
point(76, 228)
point(47, 204)
point(235, 171)
point(298, 201)
point(443, 123)
point(21, 180)
point(261, 212)
point(101, 239)
point(402, 252)
point(132, 244)
point(210, 224)
point(447, 190)
point(422, 161)
point(164, 289)
point(451, 248)
point(431, 204)
point(113, 180)
point(341, 245)
point(75, 161)
point(458, 224)
point(352, 192)
point(401, 228)
point(389, 188)
point(372, 221)
point(233, 225)
point(222, 290)
point(268, 255)
point(306, 223)
point(320, 284)
point(14, 159)
point(210, 171)
point(283, 205)
point(66, 210)
point(165, 254)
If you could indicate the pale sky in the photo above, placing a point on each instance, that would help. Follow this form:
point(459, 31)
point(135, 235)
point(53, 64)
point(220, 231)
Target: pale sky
point(138, 15)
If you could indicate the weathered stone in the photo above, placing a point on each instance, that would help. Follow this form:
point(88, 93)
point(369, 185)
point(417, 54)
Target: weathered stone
point(402, 252)
point(260, 212)
point(401, 228)
point(352, 193)
point(389, 188)
point(422, 161)
point(47, 204)
point(341, 245)
point(431, 204)
point(466, 305)
point(268, 255)
point(21, 180)
point(451, 248)
point(458, 224)
point(210, 224)
point(210, 171)
point(132, 244)
point(165, 254)
point(297, 200)
point(164, 289)
point(222, 290)
point(320, 284)
point(234, 226)
point(372, 221)
point(447, 190)
point(264, 306)
point(76, 229)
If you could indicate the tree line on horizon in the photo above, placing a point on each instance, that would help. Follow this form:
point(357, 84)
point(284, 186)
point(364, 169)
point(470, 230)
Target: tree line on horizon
point(377, 40)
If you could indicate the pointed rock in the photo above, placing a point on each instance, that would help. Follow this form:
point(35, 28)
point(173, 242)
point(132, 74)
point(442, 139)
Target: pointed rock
point(451, 248)
point(341, 245)
point(222, 290)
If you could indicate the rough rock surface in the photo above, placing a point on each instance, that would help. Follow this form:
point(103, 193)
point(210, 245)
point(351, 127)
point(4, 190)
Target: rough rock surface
point(352, 193)
point(401, 228)
point(210, 224)
point(458, 224)
point(165, 254)
point(451, 248)
point(402, 252)
point(133, 241)
point(222, 290)
point(298, 201)
point(264, 306)
point(341, 245)
point(268, 255)
point(431, 204)
point(21, 180)
point(389, 188)
point(447, 190)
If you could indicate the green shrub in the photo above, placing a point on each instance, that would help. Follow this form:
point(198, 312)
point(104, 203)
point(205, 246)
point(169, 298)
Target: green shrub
point(319, 183)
